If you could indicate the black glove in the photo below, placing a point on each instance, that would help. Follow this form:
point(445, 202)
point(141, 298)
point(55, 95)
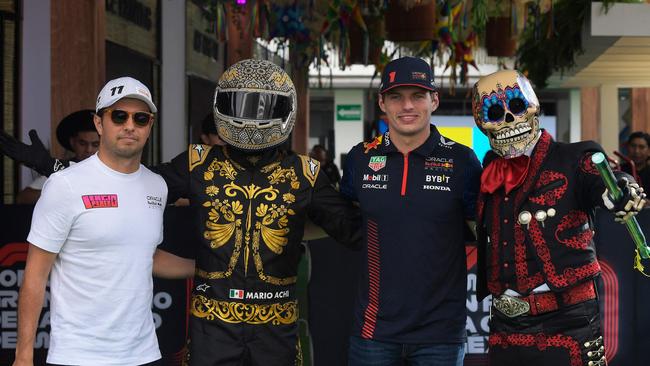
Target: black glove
point(630, 204)
point(34, 156)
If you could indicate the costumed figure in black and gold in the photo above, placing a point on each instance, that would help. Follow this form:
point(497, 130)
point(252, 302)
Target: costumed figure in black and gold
point(535, 230)
point(252, 198)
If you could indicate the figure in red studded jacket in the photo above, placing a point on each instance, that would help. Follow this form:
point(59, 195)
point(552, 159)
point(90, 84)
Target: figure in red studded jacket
point(535, 229)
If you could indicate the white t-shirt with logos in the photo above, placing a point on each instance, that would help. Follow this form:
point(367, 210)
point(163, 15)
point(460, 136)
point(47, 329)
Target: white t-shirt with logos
point(39, 181)
point(105, 226)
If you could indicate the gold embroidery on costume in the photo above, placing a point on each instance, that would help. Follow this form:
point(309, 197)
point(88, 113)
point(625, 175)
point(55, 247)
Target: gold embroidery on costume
point(267, 220)
point(259, 265)
point(224, 218)
point(224, 168)
point(280, 175)
point(211, 190)
point(219, 234)
point(231, 264)
point(237, 312)
point(270, 167)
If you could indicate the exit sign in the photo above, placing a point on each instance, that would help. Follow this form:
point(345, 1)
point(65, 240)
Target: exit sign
point(348, 112)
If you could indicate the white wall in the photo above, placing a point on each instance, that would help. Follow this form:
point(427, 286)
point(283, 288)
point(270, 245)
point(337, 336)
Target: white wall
point(173, 81)
point(347, 133)
point(575, 122)
point(621, 20)
point(35, 76)
point(609, 129)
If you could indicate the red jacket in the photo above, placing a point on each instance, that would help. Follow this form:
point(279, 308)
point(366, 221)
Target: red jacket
point(560, 192)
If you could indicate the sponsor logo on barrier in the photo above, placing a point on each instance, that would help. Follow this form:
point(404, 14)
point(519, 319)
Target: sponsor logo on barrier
point(478, 312)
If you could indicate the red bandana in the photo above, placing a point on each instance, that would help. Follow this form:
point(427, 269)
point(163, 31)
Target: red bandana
point(509, 173)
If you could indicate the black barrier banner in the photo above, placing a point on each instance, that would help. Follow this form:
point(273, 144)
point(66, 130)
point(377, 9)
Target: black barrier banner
point(13, 253)
point(12, 261)
point(478, 316)
point(624, 295)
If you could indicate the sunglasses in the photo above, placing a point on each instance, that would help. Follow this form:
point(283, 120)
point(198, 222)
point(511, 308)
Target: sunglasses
point(120, 117)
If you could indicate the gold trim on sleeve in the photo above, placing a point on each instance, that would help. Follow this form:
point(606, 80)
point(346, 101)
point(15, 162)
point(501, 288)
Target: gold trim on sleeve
point(310, 168)
point(197, 154)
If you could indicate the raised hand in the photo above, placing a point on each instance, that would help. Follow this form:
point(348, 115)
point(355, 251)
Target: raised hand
point(34, 156)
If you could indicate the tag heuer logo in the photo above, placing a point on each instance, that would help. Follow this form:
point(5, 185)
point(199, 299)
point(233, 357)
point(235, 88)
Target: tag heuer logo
point(236, 294)
point(377, 162)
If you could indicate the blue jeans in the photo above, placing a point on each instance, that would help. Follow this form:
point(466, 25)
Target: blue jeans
point(366, 352)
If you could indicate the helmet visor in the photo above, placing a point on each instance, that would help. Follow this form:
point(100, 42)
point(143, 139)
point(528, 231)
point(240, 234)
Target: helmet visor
point(253, 105)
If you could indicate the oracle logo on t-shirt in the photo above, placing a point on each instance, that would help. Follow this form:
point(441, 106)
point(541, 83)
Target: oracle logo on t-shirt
point(99, 200)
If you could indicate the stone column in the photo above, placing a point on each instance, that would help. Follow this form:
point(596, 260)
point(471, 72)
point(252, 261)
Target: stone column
point(609, 118)
point(640, 100)
point(589, 113)
point(78, 44)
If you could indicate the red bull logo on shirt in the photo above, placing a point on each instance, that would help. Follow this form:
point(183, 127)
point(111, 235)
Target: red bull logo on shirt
point(99, 200)
point(373, 144)
point(439, 164)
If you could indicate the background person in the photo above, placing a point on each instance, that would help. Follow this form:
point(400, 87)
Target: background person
point(330, 169)
point(77, 134)
point(638, 148)
point(209, 135)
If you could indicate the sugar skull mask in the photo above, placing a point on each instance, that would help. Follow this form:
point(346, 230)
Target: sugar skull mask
point(506, 109)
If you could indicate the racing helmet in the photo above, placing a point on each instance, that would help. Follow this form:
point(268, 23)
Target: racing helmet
point(255, 105)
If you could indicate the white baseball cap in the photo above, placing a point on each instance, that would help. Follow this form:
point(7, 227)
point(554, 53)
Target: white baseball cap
point(124, 87)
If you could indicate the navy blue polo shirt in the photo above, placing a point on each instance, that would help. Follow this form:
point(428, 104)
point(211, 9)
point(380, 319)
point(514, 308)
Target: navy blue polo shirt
point(414, 209)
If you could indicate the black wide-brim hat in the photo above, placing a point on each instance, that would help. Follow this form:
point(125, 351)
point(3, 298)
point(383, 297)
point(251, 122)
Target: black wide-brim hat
point(74, 122)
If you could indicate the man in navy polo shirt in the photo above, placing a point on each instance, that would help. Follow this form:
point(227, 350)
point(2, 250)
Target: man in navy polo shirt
point(416, 189)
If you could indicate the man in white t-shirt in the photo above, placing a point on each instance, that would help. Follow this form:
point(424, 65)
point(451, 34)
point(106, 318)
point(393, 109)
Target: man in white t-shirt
point(95, 228)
